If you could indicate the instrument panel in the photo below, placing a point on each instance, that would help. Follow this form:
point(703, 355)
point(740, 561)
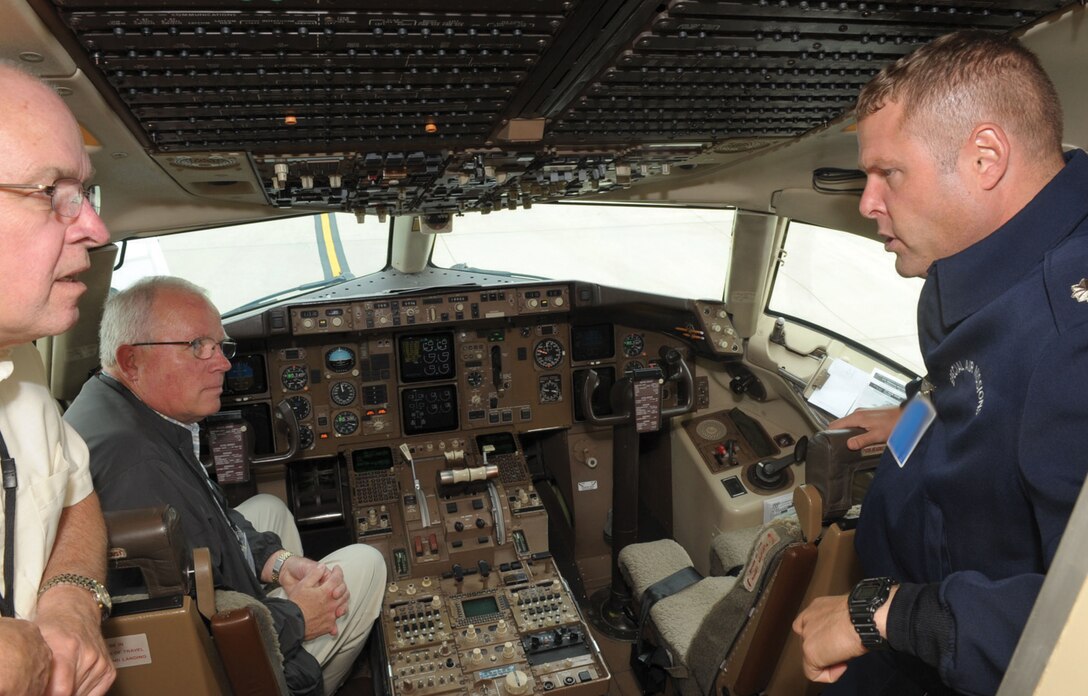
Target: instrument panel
point(419, 400)
point(377, 370)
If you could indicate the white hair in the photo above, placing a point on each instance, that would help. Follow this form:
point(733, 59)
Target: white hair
point(127, 317)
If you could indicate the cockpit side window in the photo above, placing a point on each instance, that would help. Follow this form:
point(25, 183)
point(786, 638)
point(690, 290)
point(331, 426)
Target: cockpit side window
point(846, 285)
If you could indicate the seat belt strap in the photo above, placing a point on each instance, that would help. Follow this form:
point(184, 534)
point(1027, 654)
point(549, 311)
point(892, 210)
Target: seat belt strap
point(11, 484)
point(666, 587)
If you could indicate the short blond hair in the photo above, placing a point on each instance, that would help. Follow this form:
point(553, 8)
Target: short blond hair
point(957, 81)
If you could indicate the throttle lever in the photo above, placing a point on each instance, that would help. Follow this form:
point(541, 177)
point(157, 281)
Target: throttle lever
point(770, 473)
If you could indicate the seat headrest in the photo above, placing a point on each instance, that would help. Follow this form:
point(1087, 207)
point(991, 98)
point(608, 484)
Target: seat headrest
point(150, 540)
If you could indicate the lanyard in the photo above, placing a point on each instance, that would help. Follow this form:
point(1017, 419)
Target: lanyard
point(11, 483)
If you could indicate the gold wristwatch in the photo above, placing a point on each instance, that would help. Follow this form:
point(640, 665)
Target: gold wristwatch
point(97, 590)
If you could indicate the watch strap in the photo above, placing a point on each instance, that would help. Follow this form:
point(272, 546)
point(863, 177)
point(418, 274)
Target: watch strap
point(277, 565)
point(97, 589)
point(864, 600)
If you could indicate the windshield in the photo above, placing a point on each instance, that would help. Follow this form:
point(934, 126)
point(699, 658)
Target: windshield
point(243, 263)
point(848, 285)
point(683, 252)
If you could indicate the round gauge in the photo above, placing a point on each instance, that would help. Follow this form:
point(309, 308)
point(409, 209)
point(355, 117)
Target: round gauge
point(551, 388)
point(342, 393)
point(633, 365)
point(300, 405)
point(548, 353)
point(340, 359)
point(345, 423)
point(633, 344)
point(293, 377)
point(305, 437)
point(475, 378)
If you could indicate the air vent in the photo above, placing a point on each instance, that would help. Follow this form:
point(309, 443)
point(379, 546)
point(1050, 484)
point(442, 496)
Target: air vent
point(204, 161)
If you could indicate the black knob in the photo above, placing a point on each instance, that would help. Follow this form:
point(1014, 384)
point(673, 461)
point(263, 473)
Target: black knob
point(459, 526)
point(480, 524)
point(485, 568)
point(458, 572)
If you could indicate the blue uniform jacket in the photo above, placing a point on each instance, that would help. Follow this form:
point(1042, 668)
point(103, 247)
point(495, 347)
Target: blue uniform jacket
point(981, 504)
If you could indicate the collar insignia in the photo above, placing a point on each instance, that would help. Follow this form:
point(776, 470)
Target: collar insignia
point(1080, 290)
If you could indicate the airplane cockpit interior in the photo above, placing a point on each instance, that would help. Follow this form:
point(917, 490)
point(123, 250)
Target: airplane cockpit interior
point(545, 300)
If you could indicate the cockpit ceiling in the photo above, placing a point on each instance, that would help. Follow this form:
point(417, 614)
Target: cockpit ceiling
point(443, 107)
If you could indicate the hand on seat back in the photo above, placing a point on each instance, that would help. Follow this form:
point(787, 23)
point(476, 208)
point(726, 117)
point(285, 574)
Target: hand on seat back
point(320, 593)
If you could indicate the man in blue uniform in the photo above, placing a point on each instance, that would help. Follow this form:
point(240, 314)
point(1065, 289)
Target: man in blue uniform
point(961, 144)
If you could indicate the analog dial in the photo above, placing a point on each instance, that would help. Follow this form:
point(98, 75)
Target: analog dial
point(633, 365)
point(548, 353)
point(300, 405)
point(305, 437)
point(633, 344)
point(340, 359)
point(345, 423)
point(342, 393)
point(294, 377)
point(475, 378)
point(551, 388)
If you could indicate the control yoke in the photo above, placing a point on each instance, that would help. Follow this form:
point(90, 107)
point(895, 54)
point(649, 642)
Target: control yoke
point(675, 369)
point(287, 415)
point(636, 401)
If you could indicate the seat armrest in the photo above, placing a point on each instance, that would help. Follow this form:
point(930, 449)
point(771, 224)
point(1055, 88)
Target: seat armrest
point(150, 540)
point(248, 645)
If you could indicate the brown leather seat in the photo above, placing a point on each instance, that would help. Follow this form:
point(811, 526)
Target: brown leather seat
point(163, 632)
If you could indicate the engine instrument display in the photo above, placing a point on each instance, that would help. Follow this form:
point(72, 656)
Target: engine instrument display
point(633, 345)
point(429, 409)
point(426, 357)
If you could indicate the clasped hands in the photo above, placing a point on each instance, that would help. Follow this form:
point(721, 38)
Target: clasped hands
point(318, 590)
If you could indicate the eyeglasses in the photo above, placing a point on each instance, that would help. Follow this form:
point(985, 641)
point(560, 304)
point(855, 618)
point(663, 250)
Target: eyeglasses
point(66, 195)
point(203, 347)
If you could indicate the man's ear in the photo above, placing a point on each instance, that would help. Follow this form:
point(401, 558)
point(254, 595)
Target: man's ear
point(989, 150)
point(127, 362)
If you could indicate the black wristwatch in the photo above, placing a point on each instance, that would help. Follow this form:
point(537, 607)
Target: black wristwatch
point(866, 597)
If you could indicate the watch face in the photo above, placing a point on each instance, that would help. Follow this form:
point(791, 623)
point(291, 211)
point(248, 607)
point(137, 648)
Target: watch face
point(866, 591)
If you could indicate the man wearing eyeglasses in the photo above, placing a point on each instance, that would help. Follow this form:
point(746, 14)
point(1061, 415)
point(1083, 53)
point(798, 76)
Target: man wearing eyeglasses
point(164, 353)
point(51, 528)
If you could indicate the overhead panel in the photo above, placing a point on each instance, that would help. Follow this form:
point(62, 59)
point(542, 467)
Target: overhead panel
point(440, 107)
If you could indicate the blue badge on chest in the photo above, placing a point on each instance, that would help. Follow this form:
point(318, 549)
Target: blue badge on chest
point(916, 418)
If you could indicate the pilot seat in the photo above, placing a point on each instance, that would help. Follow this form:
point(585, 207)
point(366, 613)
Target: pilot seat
point(730, 632)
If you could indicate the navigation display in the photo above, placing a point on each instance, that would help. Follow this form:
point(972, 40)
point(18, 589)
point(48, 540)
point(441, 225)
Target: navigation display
point(426, 357)
point(591, 342)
